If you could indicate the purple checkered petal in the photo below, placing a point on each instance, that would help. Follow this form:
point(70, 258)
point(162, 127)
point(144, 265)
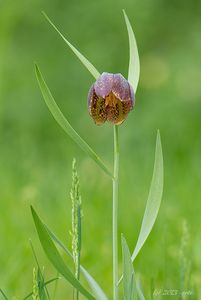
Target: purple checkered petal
point(110, 98)
point(121, 88)
point(132, 96)
point(103, 85)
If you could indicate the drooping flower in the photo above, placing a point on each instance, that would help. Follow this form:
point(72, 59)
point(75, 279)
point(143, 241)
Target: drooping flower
point(110, 98)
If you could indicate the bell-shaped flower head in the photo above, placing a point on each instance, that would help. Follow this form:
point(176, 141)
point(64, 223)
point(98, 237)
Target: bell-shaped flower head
point(110, 98)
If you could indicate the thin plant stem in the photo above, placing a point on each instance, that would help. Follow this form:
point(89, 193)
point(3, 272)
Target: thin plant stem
point(78, 274)
point(115, 214)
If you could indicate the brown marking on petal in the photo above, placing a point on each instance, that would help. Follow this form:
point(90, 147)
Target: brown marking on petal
point(116, 109)
point(110, 98)
point(97, 110)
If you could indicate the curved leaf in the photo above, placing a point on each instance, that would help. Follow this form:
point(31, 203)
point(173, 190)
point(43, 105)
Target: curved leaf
point(3, 294)
point(98, 292)
point(95, 287)
point(81, 57)
point(54, 256)
point(154, 199)
point(134, 61)
point(43, 291)
point(130, 289)
point(139, 291)
point(62, 121)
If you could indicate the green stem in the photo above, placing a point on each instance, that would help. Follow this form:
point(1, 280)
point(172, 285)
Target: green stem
point(115, 213)
point(78, 274)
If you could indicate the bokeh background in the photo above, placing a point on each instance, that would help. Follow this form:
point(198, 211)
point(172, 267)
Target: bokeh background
point(36, 155)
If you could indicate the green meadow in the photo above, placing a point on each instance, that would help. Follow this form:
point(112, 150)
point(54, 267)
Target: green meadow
point(36, 155)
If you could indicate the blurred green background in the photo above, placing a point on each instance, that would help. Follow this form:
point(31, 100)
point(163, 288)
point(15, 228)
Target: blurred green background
point(36, 155)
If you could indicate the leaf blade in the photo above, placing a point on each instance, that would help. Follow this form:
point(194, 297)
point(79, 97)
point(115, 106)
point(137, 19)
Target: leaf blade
point(134, 61)
point(97, 290)
point(81, 57)
point(63, 122)
point(54, 256)
point(154, 199)
point(3, 294)
point(139, 291)
point(42, 288)
point(95, 287)
point(129, 284)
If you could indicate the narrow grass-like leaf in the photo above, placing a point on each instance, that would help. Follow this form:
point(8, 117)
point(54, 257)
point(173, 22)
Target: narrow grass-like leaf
point(81, 57)
point(58, 241)
point(76, 232)
point(62, 121)
point(54, 256)
point(95, 287)
point(43, 291)
point(130, 290)
point(98, 292)
point(139, 291)
point(154, 198)
point(3, 294)
point(134, 61)
point(184, 258)
point(46, 283)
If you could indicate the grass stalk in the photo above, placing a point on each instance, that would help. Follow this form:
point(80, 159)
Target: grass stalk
point(115, 214)
point(76, 224)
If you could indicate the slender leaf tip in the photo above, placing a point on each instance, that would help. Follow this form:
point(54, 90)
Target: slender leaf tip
point(46, 17)
point(88, 65)
point(134, 61)
point(32, 209)
point(154, 198)
point(158, 136)
point(37, 71)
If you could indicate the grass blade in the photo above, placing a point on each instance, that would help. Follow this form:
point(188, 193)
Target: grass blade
point(62, 121)
point(46, 283)
point(130, 290)
point(154, 199)
point(54, 256)
point(98, 292)
point(59, 243)
point(95, 287)
point(81, 57)
point(3, 294)
point(134, 61)
point(76, 214)
point(139, 291)
point(41, 281)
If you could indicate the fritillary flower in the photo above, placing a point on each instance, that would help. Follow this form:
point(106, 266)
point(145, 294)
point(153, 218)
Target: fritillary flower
point(110, 98)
